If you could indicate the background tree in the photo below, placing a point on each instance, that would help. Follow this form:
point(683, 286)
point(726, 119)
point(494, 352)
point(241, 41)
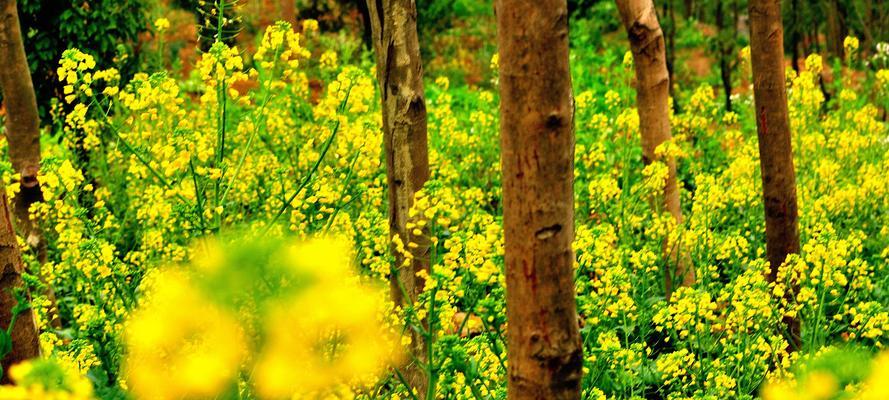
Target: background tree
point(726, 37)
point(537, 142)
point(773, 128)
point(653, 102)
point(400, 75)
point(795, 29)
point(669, 13)
point(835, 27)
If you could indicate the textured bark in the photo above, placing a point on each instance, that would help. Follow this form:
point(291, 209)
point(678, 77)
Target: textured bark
point(22, 131)
point(22, 120)
point(773, 128)
point(537, 141)
point(400, 74)
point(652, 102)
point(25, 343)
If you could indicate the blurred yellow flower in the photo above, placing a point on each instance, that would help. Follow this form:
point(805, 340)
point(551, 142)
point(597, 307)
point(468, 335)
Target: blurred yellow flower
point(180, 344)
point(161, 25)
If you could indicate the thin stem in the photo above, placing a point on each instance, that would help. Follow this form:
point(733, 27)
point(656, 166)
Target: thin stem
point(307, 178)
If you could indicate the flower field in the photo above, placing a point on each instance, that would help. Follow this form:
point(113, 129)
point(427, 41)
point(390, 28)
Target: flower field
point(219, 228)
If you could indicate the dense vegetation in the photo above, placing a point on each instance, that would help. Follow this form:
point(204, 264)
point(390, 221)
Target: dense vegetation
point(216, 225)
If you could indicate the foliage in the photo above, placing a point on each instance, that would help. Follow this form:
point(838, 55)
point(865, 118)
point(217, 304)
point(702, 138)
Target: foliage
point(108, 28)
point(437, 15)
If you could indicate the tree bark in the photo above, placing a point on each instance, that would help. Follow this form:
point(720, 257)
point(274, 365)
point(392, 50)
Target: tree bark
point(400, 75)
point(537, 141)
point(25, 342)
point(652, 102)
point(773, 128)
point(22, 132)
point(22, 120)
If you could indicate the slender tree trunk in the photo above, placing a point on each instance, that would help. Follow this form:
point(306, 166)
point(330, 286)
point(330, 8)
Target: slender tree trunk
point(400, 74)
point(773, 128)
point(22, 120)
point(815, 44)
point(795, 30)
point(22, 131)
point(366, 32)
point(25, 341)
point(652, 101)
point(537, 141)
point(725, 49)
point(869, 14)
point(670, 15)
point(835, 31)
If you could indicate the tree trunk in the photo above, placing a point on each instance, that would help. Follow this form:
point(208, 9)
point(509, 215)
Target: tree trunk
point(537, 141)
point(773, 128)
point(22, 131)
point(366, 30)
point(725, 50)
point(835, 31)
point(400, 74)
point(670, 14)
point(24, 335)
point(652, 101)
point(795, 30)
point(22, 120)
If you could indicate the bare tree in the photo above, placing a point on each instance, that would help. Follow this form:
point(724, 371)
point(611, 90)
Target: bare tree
point(773, 128)
point(400, 75)
point(652, 101)
point(537, 141)
point(22, 119)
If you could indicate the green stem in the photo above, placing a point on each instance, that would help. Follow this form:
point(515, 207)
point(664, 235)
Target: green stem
point(307, 178)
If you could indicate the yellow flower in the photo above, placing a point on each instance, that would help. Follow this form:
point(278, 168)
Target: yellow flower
point(850, 43)
point(180, 344)
point(161, 25)
point(321, 339)
point(813, 64)
point(628, 60)
point(46, 379)
point(310, 25)
point(329, 59)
